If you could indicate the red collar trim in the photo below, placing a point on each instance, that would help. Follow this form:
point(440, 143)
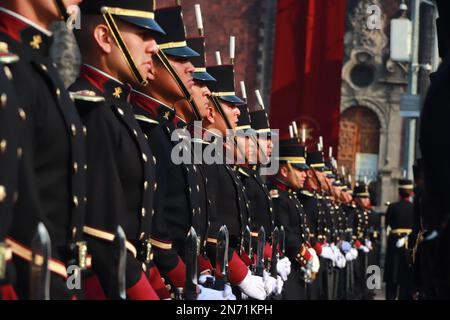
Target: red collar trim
point(143, 101)
point(94, 77)
point(12, 26)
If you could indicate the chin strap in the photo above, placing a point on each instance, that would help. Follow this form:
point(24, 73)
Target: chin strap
point(64, 16)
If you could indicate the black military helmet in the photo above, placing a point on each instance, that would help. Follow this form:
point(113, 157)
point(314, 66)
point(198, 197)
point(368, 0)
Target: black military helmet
point(199, 62)
point(361, 190)
point(260, 122)
point(315, 160)
point(173, 43)
point(405, 184)
point(244, 118)
point(291, 152)
point(223, 88)
point(137, 12)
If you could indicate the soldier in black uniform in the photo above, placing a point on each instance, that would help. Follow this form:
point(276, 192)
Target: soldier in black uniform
point(229, 202)
point(182, 200)
point(397, 269)
point(51, 186)
point(9, 142)
point(290, 213)
point(121, 175)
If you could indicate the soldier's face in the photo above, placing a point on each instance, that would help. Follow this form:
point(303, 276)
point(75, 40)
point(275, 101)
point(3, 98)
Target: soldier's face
point(311, 180)
point(265, 149)
point(201, 94)
point(231, 112)
point(184, 68)
point(142, 46)
point(300, 177)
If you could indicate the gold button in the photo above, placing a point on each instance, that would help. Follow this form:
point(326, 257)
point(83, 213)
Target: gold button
point(75, 167)
point(2, 193)
point(75, 201)
point(74, 232)
point(120, 111)
point(84, 130)
point(135, 132)
point(8, 73)
point(3, 100)
point(85, 167)
point(154, 160)
point(141, 237)
point(73, 129)
point(22, 114)
point(58, 92)
point(145, 185)
point(155, 186)
point(143, 212)
point(153, 212)
point(198, 188)
point(146, 137)
point(144, 157)
point(19, 153)
point(190, 190)
point(44, 68)
point(3, 145)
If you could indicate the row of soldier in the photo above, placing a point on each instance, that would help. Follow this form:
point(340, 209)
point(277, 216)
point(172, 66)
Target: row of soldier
point(87, 176)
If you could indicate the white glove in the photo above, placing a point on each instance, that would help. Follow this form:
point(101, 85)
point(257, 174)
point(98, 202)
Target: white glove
point(354, 253)
point(337, 256)
point(228, 293)
point(210, 294)
point(364, 249)
point(253, 286)
point(203, 278)
point(315, 260)
point(279, 286)
point(327, 253)
point(368, 244)
point(349, 256)
point(340, 261)
point(346, 246)
point(284, 268)
point(270, 283)
point(401, 242)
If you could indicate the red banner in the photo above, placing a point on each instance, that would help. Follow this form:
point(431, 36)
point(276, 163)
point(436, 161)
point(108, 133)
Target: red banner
point(306, 85)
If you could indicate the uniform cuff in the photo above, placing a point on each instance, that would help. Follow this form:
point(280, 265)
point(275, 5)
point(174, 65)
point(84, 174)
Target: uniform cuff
point(237, 269)
point(142, 290)
point(177, 275)
point(158, 284)
point(204, 265)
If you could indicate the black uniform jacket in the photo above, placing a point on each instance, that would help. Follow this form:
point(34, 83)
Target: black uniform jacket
point(51, 186)
point(121, 175)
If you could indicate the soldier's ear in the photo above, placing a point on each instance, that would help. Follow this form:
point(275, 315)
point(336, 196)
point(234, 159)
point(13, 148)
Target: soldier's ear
point(103, 38)
point(284, 171)
point(210, 114)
